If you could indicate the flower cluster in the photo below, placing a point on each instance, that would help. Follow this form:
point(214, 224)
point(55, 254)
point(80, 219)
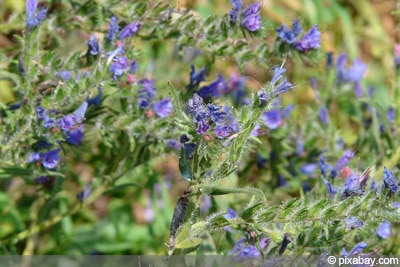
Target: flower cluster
point(250, 17)
point(309, 41)
point(210, 115)
point(71, 128)
point(353, 74)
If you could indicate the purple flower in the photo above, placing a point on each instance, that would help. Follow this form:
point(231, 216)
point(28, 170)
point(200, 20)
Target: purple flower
point(289, 36)
point(353, 223)
point(323, 115)
point(332, 190)
point(112, 29)
point(395, 204)
point(237, 5)
point(389, 180)
point(344, 160)
point(256, 130)
point(49, 122)
point(163, 107)
point(351, 186)
point(213, 89)
point(120, 65)
point(308, 168)
point(202, 127)
point(80, 112)
point(195, 104)
point(41, 113)
point(206, 204)
point(129, 30)
point(85, 193)
point(356, 250)
point(97, 99)
point(173, 143)
point(133, 67)
point(299, 147)
point(34, 16)
point(310, 40)
point(278, 72)
point(383, 230)
point(252, 22)
point(244, 251)
point(93, 46)
point(358, 89)
point(147, 93)
point(65, 75)
point(74, 137)
point(224, 131)
point(353, 74)
point(253, 9)
point(68, 122)
point(50, 159)
point(263, 96)
point(195, 78)
point(33, 157)
point(391, 113)
point(283, 87)
point(272, 118)
point(287, 110)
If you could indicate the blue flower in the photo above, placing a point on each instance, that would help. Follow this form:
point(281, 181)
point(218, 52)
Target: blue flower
point(213, 89)
point(195, 105)
point(65, 75)
point(353, 74)
point(285, 242)
point(202, 127)
point(283, 87)
point(112, 29)
point(344, 160)
point(251, 18)
point(383, 230)
point(34, 157)
point(353, 223)
point(80, 112)
point(93, 46)
point(34, 16)
point(237, 5)
point(120, 65)
point(173, 143)
point(391, 114)
point(227, 126)
point(129, 30)
point(351, 186)
point(196, 78)
point(41, 113)
point(323, 115)
point(74, 137)
point(163, 107)
point(244, 251)
point(85, 193)
point(147, 93)
point(310, 40)
point(68, 122)
point(50, 159)
point(289, 36)
point(308, 168)
point(272, 118)
point(278, 73)
point(96, 101)
point(252, 22)
point(190, 148)
point(332, 190)
point(133, 67)
point(390, 181)
point(356, 250)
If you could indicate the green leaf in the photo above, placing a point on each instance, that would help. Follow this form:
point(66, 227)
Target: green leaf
point(214, 189)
